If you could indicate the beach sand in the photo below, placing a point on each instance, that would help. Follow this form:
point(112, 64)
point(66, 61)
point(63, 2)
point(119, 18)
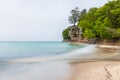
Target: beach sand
point(99, 70)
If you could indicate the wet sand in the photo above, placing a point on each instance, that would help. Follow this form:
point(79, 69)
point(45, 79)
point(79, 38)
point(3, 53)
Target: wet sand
point(99, 70)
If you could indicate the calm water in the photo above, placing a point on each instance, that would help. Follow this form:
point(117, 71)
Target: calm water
point(34, 60)
point(9, 50)
point(44, 60)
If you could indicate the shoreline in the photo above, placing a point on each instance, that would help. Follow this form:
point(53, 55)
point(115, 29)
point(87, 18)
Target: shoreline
point(113, 47)
point(102, 46)
point(96, 70)
point(107, 68)
point(101, 43)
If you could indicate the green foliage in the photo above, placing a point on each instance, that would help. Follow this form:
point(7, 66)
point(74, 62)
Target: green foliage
point(89, 34)
point(65, 34)
point(118, 32)
point(103, 22)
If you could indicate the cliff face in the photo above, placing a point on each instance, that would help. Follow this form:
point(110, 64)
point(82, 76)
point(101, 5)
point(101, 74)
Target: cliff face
point(109, 42)
point(74, 33)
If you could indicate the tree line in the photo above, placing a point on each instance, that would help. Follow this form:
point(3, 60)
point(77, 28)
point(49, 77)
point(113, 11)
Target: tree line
point(102, 23)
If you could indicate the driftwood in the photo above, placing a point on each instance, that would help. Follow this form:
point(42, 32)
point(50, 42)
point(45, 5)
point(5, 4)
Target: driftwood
point(93, 41)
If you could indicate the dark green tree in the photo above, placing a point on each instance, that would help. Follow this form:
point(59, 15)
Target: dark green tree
point(65, 34)
point(73, 19)
point(103, 22)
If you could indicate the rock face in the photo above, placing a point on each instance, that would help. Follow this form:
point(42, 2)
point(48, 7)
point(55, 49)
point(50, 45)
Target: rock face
point(75, 33)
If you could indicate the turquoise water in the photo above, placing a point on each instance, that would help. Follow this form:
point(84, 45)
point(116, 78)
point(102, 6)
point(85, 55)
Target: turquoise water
point(33, 49)
point(42, 60)
point(38, 60)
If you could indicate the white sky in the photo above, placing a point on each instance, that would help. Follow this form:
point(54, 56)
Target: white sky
point(38, 20)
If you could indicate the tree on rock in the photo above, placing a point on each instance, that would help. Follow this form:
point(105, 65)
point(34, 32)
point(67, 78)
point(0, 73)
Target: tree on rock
point(73, 19)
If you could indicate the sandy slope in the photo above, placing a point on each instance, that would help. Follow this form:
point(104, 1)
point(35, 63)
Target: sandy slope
point(102, 70)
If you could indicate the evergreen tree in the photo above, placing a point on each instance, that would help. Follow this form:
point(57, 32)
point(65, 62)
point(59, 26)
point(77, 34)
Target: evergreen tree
point(73, 19)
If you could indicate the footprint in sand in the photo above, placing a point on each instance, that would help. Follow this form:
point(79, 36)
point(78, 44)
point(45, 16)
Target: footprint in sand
point(108, 74)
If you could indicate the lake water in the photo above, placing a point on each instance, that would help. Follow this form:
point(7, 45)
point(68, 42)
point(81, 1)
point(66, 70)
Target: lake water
point(40, 60)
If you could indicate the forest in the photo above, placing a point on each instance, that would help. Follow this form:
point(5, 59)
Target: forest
point(102, 22)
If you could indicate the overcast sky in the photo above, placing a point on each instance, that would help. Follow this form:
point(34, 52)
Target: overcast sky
point(38, 20)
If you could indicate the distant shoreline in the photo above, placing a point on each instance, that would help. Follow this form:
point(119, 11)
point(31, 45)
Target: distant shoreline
point(104, 44)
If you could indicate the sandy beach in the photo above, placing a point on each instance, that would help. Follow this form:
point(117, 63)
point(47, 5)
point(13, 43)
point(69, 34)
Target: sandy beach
point(99, 70)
